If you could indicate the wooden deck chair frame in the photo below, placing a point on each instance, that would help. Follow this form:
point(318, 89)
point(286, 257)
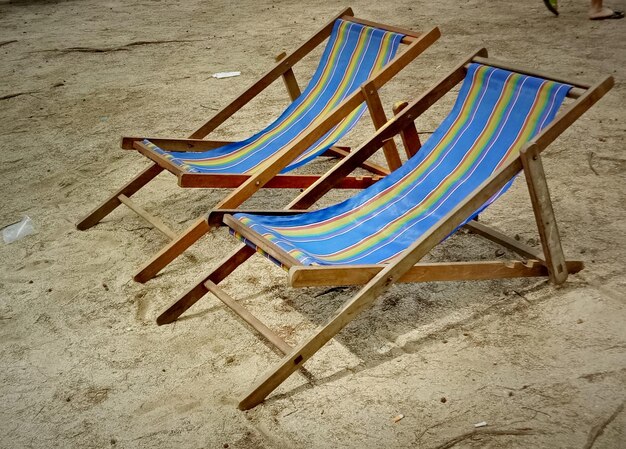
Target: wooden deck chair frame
point(268, 176)
point(406, 267)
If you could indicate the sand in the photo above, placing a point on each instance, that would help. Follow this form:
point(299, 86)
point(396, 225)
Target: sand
point(83, 363)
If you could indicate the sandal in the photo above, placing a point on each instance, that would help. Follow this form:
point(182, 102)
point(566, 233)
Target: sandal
point(615, 15)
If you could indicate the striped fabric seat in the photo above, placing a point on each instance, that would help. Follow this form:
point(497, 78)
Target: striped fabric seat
point(353, 53)
point(495, 114)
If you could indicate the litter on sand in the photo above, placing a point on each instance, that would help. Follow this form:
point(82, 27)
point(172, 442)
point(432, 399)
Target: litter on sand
point(480, 424)
point(221, 75)
point(18, 230)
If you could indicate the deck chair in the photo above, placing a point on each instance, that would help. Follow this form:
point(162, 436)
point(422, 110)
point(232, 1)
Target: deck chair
point(503, 118)
point(359, 58)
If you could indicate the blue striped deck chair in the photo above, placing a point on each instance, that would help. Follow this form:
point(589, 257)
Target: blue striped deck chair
point(359, 58)
point(502, 120)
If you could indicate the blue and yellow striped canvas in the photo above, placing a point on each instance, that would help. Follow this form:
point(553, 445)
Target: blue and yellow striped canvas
point(495, 114)
point(354, 52)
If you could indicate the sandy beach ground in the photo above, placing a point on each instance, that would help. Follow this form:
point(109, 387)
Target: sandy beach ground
point(82, 362)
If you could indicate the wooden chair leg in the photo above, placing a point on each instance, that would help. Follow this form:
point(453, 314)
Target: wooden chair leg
point(174, 249)
point(544, 216)
point(191, 296)
point(410, 137)
point(289, 78)
point(143, 178)
point(304, 351)
point(377, 114)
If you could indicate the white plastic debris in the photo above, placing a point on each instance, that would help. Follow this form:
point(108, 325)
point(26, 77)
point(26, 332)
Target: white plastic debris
point(480, 424)
point(18, 230)
point(221, 75)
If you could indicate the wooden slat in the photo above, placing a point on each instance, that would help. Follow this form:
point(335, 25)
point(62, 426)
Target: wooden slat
point(410, 34)
point(544, 216)
point(525, 71)
point(574, 92)
point(172, 250)
point(289, 78)
point(336, 151)
point(158, 158)
point(205, 180)
point(367, 165)
point(154, 221)
point(197, 291)
point(170, 144)
point(245, 315)
point(377, 113)
point(104, 209)
point(498, 237)
point(269, 77)
point(410, 137)
point(215, 218)
point(320, 276)
point(257, 239)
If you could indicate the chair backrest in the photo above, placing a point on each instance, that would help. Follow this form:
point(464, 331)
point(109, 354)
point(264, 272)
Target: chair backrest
point(495, 114)
point(354, 52)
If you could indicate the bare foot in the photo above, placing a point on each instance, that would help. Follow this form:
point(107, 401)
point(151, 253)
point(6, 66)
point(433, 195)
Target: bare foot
point(604, 13)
